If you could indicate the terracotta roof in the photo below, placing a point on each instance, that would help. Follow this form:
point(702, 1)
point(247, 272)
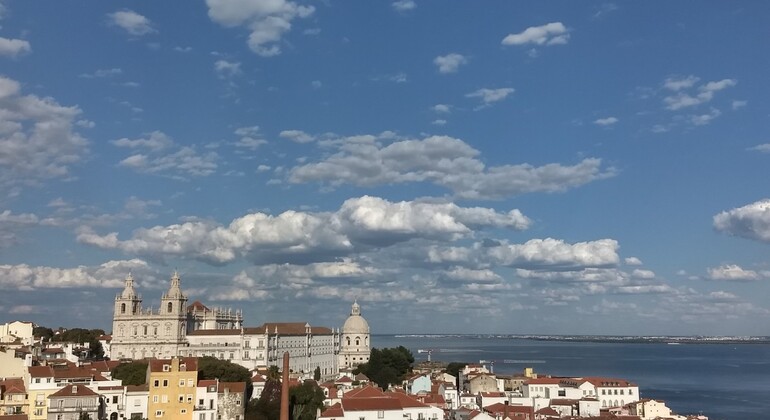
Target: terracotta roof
point(12, 386)
point(205, 383)
point(344, 380)
point(233, 387)
point(105, 337)
point(547, 411)
point(15, 417)
point(407, 401)
point(257, 378)
point(138, 388)
point(333, 411)
point(544, 381)
point(191, 364)
point(361, 377)
point(74, 391)
point(292, 328)
point(432, 399)
point(501, 408)
point(370, 404)
point(197, 306)
point(606, 382)
point(364, 392)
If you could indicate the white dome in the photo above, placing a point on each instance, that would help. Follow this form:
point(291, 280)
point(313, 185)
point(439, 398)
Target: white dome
point(355, 324)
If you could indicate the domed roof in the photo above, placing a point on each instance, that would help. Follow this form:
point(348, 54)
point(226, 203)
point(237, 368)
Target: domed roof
point(355, 324)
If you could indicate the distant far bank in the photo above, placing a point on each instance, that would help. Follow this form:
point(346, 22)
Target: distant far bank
point(674, 340)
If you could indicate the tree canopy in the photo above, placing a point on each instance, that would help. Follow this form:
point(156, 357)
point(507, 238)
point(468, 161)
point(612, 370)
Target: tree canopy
point(387, 366)
point(305, 400)
point(224, 370)
point(134, 373)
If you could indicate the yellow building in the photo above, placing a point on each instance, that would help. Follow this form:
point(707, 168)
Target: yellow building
point(172, 385)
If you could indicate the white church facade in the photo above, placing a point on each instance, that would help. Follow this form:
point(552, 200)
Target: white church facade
point(195, 330)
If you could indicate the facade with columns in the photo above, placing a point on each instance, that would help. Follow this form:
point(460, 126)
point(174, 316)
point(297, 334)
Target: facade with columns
point(195, 330)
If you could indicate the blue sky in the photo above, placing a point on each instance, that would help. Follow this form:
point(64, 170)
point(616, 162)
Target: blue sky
point(560, 167)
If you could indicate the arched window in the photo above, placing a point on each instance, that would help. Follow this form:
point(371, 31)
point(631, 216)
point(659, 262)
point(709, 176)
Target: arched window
point(348, 338)
point(170, 307)
point(144, 329)
point(358, 341)
point(122, 308)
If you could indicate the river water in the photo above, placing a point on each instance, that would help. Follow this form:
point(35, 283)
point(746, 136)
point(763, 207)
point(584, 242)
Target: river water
point(722, 381)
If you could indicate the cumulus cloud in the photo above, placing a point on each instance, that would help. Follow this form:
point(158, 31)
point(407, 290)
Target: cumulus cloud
point(404, 5)
point(751, 221)
point(441, 109)
point(733, 272)
point(297, 136)
point(132, 22)
point(764, 148)
point(10, 223)
point(444, 161)
point(705, 92)
point(364, 222)
point(467, 275)
point(488, 96)
point(107, 275)
point(160, 155)
point(449, 63)
point(551, 253)
point(249, 138)
point(267, 21)
point(606, 121)
point(14, 47)
point(37, 140)
point(705, 119)
point(679, 83)
point(554, 33)
point(633, 261)
point(226, 69)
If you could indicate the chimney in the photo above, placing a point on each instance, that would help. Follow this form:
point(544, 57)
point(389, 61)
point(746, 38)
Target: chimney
point(285, 387)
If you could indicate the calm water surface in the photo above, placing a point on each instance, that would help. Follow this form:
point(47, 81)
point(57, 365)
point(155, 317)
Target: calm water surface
point(722, 381)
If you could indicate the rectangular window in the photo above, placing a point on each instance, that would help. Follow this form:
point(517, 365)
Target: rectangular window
point(190, 383)
point(158, 413)
point(246, 344)
point(183, 411)
point(181, 398)
point(202, 416)
point(200, 402)
point(114, 399)
point(380, 414)
point(154, 399)
point(165, 383)
point(181, 382)
point(138, 402)
point(164, 399)
point(156, 383)
point(189, 397)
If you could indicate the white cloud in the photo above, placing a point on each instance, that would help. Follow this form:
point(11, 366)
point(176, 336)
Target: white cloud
point(179, 163)
point(102, 73)
point(643, 274)
point(155, 141)
point(606, 121)
point(751, 221)
point(739, 104)
point(13, 47)
point(404, 5)
point(679, 83)
point(297, 136)
point(442, 108)
point(764, 148)
point(107, 275)
point(549, 252)
point(438, 122)
point(705, 119)
point(365, 221)
point(132, 22)
point(472, 276)
point(549, 34)
point(267, 21)
point(705, 92)
point(732, 272)
point(444, 161)
point(449, 63)
point(316, 84)
point(633, 261)
point(489, 96)
point(226, 69)
point(37, 140)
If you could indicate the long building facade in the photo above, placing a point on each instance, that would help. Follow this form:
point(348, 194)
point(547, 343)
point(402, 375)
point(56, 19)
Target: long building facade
point(195, 330)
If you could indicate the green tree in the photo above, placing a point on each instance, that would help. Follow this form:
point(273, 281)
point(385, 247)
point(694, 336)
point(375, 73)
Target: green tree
point(387, 366)
point(84, 416)
point(317, 373)
point(82, 335)
point(224, 370)
point(305, 400)
point(268, 405)
point(45, 333)
point(134, 373)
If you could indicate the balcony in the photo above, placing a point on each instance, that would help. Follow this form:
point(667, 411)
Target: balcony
point(56, 410)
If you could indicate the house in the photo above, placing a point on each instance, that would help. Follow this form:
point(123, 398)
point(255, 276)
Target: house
point(370, 403)
point(13, 397)
point(482, 382)
point(73, 401)
point(173, 385)
point(231, 400)
point(137, 397)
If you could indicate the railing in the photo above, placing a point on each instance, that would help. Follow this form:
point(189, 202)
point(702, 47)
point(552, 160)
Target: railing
point(72, 409)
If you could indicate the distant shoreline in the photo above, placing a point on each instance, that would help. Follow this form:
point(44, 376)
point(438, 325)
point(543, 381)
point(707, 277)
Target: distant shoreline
point(599, 338)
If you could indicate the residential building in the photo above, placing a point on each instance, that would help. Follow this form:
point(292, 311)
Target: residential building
point(14, 331)
point(13, 397)
point(71, 402)
point(172, 388)
point(137, 398)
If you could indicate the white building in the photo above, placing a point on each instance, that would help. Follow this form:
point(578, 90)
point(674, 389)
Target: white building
point(355, 346)
point(17, 330)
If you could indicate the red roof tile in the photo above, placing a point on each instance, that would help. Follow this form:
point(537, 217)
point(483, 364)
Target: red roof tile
point(233, 387)
point(333, 411)
point(191, 364)
point(74, 391)
point(370, 404)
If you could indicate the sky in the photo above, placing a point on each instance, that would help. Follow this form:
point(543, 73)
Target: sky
point(456, 167)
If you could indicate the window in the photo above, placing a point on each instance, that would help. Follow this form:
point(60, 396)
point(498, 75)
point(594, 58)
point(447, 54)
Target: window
point(380, 414)
point(114, 399)
point(246, 354)
point(246, 344)
point(166, 368)
point(190, 383)
point(231, 355)
point(122, 308)
point(170, 307)
point(181, 382)
point(202, 416)
point(158, 413)
point(156, 383)
point(181, 398)
point(189, 397)
point(164, 399)
point(200, 402)
point(154, 399)
point(144, 329)
point(138, 402)
point(183, 411)
point(155, 330)
point(165, 383)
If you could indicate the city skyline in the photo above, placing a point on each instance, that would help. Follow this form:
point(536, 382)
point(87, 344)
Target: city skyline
point(557, 168)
